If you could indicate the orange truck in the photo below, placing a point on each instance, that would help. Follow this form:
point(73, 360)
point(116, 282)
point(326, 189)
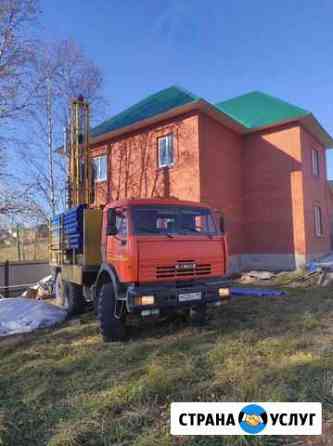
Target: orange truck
point(143, 257)
point(139, 257)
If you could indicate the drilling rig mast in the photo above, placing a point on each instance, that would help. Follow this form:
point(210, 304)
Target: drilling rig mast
point(79, 169)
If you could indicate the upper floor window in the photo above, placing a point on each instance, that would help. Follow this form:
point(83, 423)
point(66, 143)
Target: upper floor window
point(165, 151)
point(315, 162)
point(318, 221)
point(100, 168)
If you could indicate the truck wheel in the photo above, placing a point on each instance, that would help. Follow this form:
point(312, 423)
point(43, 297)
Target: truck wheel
point(112, 328)
point(73, 299)
point(59, 289)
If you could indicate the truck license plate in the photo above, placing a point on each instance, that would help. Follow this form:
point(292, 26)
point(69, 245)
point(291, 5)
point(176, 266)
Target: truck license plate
point(189, 296)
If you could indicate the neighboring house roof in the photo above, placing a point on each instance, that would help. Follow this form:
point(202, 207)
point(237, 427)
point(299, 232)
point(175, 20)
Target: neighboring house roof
point(153, 105)
point(255, 109)
point(245, 114)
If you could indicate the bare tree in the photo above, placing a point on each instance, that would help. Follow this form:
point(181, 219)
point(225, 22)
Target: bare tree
point(17, 20)
point(62, 72)
point(16, 55)
point(20, 203)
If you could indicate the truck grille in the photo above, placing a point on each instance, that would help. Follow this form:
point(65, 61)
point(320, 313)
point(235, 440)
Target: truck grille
point(183, 269)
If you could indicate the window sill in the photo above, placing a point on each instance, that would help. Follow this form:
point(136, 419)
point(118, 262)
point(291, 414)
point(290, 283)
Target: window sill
point(169, 166)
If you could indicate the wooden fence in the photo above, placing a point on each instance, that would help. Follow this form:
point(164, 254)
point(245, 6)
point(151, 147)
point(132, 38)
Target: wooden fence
point(15, 277)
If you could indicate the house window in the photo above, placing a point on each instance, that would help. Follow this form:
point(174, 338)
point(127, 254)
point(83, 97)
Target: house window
point(315, 162)
point(165, 151)
point(100, 168)
point(318, 221)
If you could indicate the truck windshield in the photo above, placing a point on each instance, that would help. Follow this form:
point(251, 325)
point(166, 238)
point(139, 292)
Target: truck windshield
point(173, 220)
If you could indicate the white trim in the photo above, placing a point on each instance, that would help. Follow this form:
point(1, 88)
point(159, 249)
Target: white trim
point(97, 163)
point(169, 141)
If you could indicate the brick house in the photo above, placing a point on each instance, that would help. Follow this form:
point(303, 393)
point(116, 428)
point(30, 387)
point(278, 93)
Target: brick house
point(259, 160)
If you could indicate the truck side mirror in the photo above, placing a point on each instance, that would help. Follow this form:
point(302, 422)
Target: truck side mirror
point(111, 228)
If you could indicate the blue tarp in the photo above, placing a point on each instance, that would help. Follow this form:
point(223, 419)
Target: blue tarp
point(323, 263)
point(259, 292)
point(313, 266)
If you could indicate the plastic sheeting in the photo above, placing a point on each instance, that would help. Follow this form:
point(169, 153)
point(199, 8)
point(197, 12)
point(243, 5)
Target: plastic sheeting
point(20, 315)
point(259, 292)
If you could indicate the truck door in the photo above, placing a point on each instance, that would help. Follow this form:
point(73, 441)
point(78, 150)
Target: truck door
point(117, 245)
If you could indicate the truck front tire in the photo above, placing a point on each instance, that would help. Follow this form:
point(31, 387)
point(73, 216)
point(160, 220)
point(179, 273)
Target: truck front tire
point(112, 326)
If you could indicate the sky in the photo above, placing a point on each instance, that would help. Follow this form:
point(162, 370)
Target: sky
point(217, 49)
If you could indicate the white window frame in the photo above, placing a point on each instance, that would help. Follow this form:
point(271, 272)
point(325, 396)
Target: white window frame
point(97, 161)
point(315, 162)
point(169, 144)
point(318, 221)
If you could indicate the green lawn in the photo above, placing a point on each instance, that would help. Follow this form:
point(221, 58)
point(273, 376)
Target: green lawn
point(65, 387)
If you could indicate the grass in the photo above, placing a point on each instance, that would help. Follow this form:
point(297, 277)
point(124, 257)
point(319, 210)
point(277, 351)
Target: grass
point(64, 387)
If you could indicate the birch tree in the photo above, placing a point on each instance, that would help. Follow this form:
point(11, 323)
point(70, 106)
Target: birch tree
point(62, 72)
point(18, 18)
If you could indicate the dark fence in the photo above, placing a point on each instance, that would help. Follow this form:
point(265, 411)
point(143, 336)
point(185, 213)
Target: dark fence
point(15, 277)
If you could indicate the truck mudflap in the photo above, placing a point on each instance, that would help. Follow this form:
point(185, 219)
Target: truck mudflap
point(175, 296)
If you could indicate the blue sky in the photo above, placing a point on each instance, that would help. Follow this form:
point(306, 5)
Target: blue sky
point(215, 48)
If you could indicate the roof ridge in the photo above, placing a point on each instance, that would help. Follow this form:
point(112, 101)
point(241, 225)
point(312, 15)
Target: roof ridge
point(282, 101)
point(186, 91)
point(238, 96)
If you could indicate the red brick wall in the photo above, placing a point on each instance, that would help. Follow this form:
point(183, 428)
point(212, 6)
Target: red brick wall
point(315, 193)
point(221, 168)
point(262, 182)
point(101, 187)
point(133, 163)
point(273, 192)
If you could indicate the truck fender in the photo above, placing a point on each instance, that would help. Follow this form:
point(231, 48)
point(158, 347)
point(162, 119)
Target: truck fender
point(106, 271)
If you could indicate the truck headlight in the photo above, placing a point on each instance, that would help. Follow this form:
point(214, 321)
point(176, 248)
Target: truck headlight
point(224, 293)
point(144, 300)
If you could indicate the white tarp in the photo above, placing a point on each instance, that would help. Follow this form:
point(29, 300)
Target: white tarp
point(20, 315)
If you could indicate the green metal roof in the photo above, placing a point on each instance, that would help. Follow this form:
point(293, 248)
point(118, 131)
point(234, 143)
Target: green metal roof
point(251, 111)
point(153, 105)
point(256, 109)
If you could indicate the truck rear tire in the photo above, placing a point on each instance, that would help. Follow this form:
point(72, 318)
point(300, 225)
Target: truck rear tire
point(69, 296)
point(112, 327)
point(60, 292)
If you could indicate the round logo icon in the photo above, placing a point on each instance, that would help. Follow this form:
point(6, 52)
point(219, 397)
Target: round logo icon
point(252, 419)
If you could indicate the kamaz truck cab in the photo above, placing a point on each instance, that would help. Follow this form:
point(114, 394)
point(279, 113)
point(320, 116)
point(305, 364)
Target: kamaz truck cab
point(157, 256)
